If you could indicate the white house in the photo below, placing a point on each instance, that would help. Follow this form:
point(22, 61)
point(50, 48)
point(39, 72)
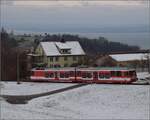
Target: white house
point(60, 54)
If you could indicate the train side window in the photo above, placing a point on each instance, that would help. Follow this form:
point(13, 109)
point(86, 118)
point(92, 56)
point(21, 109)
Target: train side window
point(49, 75)
point(78, 73)
point(87, 75)
point(72, 73)
point(101, 75)
point(64, 75)
point(107, 75)
point(113, 73)
point(118, 73)
point(46, 74)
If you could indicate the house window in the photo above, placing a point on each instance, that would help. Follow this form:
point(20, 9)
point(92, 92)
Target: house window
point(65, 51)
point(65, 58)
point(57, 58)
point(74, 58)
point(51, 59)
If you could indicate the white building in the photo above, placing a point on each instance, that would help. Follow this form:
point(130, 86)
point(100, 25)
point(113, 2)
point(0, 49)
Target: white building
point(60, 54)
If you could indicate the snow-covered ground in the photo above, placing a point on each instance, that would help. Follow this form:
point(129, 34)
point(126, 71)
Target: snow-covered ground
point(95, 101)
point(27, 88)
point(88, 102)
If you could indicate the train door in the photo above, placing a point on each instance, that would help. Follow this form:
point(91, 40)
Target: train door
point(56, 75)
point(72, 75)
point(95, 76)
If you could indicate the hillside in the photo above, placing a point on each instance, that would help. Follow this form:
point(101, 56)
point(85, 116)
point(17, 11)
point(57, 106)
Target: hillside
point(93, 46)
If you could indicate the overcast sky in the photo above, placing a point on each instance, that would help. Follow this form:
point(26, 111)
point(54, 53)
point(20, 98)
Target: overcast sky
point(75, 15)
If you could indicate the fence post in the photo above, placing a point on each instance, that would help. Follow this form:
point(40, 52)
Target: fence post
point(18, 70)
point(148, 60)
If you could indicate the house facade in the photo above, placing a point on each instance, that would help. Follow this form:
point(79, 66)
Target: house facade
point(60, 54)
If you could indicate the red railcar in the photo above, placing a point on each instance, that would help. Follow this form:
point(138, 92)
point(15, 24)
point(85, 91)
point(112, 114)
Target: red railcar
point(85, 75)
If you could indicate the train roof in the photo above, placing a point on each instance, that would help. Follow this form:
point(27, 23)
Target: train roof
point(87, 68)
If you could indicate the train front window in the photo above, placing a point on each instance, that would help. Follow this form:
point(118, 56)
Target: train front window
point(132, 73)
point(32, 73)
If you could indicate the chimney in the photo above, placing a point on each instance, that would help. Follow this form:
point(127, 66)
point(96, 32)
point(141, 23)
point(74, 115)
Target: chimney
point(62, 40)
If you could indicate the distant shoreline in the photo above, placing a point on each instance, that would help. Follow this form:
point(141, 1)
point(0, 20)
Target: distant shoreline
point(141, 39)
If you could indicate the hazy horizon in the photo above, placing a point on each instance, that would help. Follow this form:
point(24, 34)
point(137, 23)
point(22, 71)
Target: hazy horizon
point(77, 16)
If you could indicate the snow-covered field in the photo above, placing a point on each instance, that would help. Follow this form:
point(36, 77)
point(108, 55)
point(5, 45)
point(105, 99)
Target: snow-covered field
point(95, 101)
point(27, 88)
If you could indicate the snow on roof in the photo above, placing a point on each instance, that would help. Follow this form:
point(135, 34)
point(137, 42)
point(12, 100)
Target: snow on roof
point(129, 57)
point(50, 48)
